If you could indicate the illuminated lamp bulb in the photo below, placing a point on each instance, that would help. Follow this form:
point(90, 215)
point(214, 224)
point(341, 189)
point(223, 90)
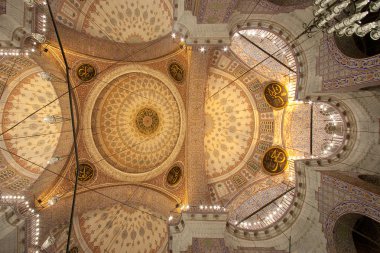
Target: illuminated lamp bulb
point(202, 49)
point(174, 35)
point(53, 200)
point(46, 76)
point(50, 119)
point(170, 218)
point(225, 49)
point(39, 37)
point(53, 160)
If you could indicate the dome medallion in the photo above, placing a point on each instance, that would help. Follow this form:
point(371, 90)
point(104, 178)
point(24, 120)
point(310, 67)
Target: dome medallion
point(147, 121)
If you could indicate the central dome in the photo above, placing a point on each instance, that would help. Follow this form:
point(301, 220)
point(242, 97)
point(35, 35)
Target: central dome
point(136, 123)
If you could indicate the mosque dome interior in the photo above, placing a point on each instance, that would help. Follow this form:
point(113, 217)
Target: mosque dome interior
point(187, 126)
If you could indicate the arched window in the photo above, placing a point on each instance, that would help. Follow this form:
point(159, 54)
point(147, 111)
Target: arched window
point(357, 47)
point(372, 179)
point(357, 233)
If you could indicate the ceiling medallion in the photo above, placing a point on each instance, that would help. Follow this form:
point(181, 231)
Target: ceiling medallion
point(176, 72)
point(86, 72)
point(74, 250)
point(147, 121)
point(276, 95)
point(275, 160)
point(86, 172)
point(174, 176)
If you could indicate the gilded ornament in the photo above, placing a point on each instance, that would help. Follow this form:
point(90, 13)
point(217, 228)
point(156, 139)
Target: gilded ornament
point(86, 72)
point(147, 121)
point(275, 160)
point(276, 95)
point(86, 172)
point(174, 176)
point(176, 72)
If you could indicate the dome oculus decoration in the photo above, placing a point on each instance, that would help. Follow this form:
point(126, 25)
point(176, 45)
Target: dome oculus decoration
point(147, 121)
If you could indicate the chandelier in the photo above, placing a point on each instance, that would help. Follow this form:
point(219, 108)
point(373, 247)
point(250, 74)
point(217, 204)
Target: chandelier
point(347, 17)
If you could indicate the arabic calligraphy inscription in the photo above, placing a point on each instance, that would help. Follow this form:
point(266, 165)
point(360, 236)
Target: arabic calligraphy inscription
point(174, 175)
point(86, 72)
point(276, 95)
point(86, 172)
point(275, 160)
point(176, 72)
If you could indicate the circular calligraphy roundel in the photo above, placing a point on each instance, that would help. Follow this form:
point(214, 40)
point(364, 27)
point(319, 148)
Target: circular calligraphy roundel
point(86, 172)
point(276, 95)
point(176, 72)
point(174, 176)
point(86, 72)
point(275, 160)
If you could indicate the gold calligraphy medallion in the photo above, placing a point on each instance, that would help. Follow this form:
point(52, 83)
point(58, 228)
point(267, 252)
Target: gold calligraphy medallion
point(86, 72)
point(86, 172)
point(276, 95)
point(174, 176)
point(176, 72)
point(275, 160)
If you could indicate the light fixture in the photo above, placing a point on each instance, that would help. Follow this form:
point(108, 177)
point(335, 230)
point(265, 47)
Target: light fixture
point(202, 49)
point(173, 35)
point(225, 49)
point(46, 76)
point(52, 201)
point(346, 18)
point(39, 37)
point(53, 160)
point(50, 119)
